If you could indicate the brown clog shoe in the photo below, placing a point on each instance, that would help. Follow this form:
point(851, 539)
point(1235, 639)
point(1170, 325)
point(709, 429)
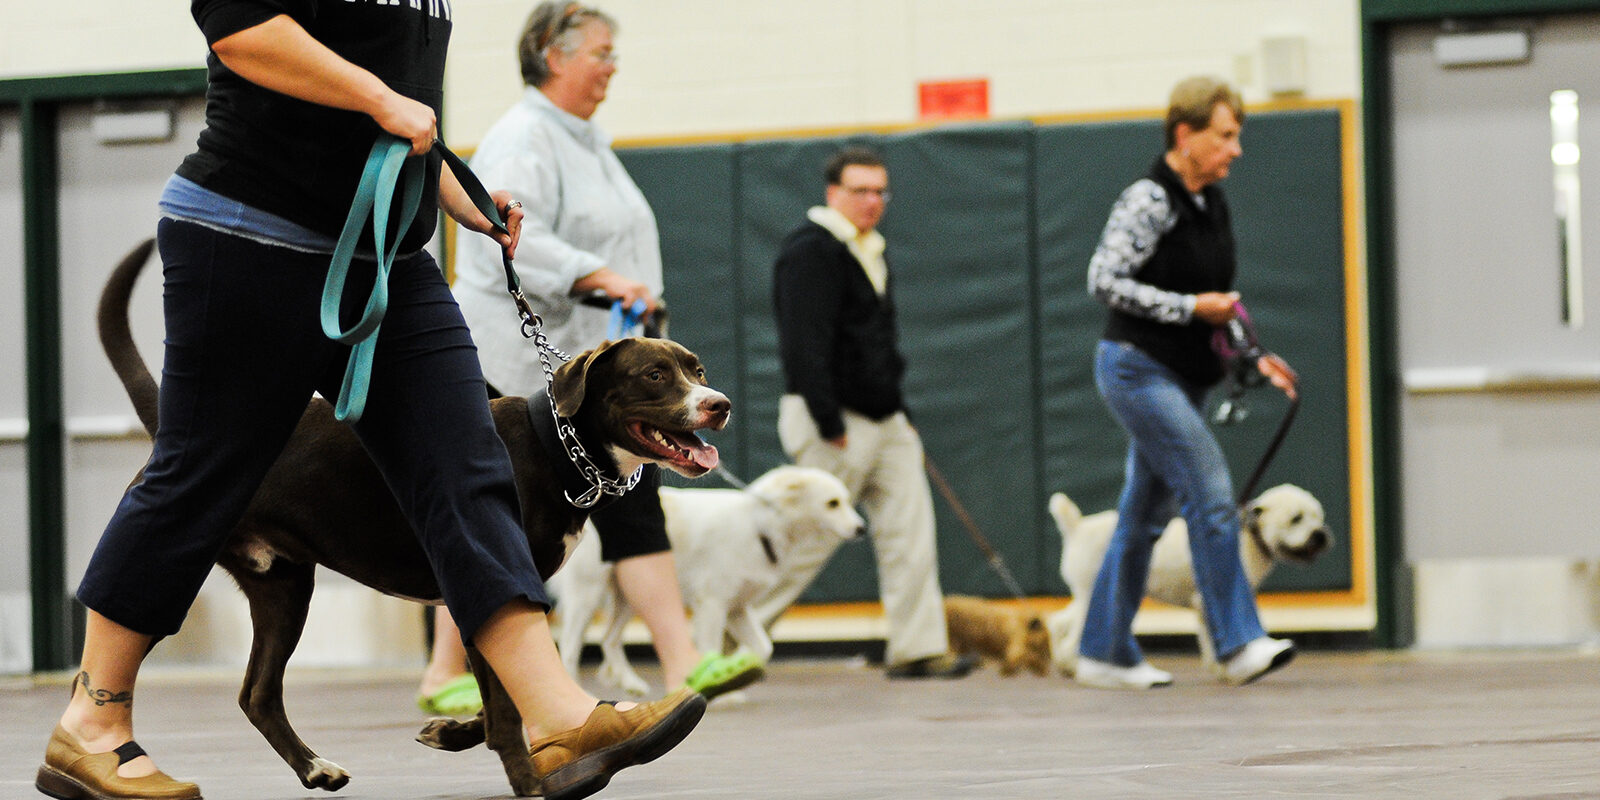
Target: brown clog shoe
point(579, 762)
point(69, 773)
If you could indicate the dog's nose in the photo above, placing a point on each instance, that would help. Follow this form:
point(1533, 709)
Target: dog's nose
point(1319, 540)
point(715, 405)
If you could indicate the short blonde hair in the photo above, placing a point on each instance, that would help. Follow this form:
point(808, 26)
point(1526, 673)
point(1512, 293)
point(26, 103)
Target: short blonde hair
point(1195, 99)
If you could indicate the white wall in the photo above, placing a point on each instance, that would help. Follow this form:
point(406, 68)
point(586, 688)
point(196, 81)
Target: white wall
point(737, 66)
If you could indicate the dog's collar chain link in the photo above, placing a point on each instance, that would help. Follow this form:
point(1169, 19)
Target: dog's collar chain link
point(599, 483)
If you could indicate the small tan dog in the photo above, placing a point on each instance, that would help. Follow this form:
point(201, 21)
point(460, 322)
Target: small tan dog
point(1015, 637)
point(1284, 523)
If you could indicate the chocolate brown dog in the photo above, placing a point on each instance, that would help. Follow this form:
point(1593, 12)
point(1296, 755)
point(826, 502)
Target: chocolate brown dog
point(324, 502)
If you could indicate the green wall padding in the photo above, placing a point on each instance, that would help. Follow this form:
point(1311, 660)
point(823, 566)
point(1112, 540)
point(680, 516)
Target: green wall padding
point(990, 232)
point(688, 189)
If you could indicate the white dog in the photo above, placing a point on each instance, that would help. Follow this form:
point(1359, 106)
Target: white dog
point(729, 546)
point(1282, 523)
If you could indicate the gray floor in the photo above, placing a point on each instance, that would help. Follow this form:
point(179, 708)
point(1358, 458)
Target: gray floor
point(1460, 726)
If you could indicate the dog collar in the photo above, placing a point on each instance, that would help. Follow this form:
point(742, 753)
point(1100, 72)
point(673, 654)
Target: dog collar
point(582, 483)
point(1260, 541)
point(766, 541)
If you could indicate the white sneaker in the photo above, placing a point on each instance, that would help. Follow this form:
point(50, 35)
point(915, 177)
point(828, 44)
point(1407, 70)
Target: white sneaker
point(1102, 675)
point(1261, 656)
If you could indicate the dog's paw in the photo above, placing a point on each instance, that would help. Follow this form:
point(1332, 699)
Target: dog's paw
point(452, 735)
point(325, 774)
point(526, 785)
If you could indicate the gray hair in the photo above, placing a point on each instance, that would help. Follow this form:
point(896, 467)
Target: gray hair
point(558, 26)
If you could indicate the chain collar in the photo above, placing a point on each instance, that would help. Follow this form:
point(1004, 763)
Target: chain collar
point(599, 483)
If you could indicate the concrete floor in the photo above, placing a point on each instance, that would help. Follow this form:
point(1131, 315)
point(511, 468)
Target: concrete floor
point(1333, 724)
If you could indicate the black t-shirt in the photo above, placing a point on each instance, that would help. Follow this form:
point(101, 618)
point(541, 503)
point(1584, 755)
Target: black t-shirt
point(297, 159)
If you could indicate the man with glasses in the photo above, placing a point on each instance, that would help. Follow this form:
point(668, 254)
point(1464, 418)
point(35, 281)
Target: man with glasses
point(843, 410)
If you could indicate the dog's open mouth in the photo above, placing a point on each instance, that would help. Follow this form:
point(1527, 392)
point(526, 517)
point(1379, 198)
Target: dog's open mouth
point(682, 451)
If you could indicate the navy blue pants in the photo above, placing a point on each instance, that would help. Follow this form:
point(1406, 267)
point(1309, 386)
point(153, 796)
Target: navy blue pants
point(244, 352)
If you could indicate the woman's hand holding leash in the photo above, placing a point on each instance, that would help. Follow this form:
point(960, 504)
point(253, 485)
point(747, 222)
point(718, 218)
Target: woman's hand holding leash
point(1216, 307)
point(1280, 373)
point(617, 287)
point(408, 119)
point(459, 205)
point(511, 212)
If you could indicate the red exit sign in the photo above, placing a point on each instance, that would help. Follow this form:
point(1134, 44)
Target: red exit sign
point(958, 99)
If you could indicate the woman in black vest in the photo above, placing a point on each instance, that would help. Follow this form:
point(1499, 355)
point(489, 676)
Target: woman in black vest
point(1165, 268)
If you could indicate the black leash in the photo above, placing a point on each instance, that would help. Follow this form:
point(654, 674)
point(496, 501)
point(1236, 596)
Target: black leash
point(1247, 492)
point(1240, 349)
point(990, 554)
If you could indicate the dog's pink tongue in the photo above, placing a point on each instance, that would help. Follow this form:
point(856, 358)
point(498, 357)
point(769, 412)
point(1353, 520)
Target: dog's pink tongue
point(705, 455)
point(700, 452)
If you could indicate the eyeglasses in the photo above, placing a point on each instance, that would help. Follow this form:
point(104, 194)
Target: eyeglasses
point(606, 57)
point(864, 191)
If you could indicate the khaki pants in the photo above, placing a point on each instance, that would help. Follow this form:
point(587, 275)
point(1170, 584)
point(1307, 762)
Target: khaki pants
point(882, 465)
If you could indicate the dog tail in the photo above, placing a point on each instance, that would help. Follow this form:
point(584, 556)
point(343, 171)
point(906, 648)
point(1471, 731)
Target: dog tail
point(1065, 512)
point(117, 337)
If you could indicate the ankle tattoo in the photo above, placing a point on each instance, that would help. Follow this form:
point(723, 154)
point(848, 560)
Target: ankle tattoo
point(103, 696)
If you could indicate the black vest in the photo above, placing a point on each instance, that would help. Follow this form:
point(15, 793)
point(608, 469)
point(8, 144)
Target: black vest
point(1196, 256)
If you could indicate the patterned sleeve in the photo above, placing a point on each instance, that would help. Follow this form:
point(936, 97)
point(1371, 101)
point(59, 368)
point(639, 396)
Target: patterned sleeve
point(1141, 216)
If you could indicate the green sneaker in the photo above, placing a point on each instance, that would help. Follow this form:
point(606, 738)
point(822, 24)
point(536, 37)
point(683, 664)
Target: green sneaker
point(718, 674)
point(458, 698)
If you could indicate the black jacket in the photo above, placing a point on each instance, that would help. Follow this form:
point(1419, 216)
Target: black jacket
point(1196, 256)
point(836, 337)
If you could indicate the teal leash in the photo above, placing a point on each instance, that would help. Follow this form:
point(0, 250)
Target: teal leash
point(388, 164)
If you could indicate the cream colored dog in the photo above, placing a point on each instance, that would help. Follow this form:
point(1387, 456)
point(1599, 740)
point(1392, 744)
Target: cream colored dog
point(729, 546)
point(1282, 523)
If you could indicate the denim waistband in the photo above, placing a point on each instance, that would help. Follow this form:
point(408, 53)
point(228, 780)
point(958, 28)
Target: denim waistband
point(186, 200)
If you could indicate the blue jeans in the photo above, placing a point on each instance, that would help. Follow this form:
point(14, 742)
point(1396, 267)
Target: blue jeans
point(1174, 465)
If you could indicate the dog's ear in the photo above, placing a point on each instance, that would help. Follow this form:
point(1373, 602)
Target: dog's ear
point(794, 488)
point(572, 378)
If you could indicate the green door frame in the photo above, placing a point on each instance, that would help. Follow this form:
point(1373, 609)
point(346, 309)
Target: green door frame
point(39, 101)
point(1378, 18)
